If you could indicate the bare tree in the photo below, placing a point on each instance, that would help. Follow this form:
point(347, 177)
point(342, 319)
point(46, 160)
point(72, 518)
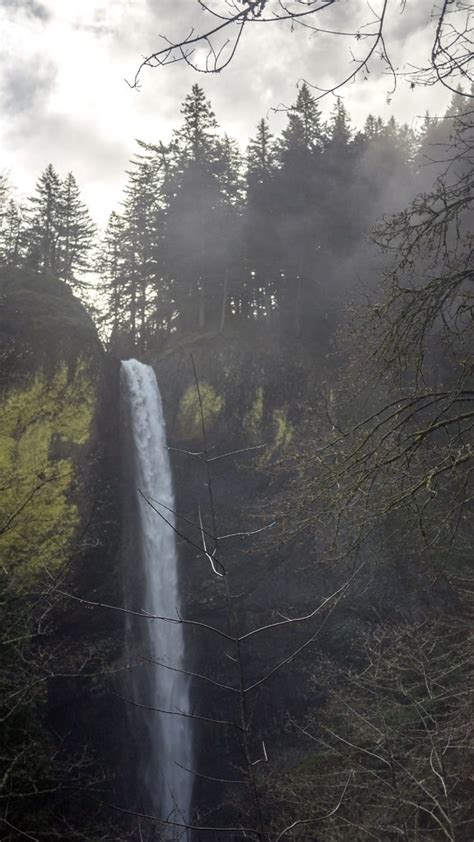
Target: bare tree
point(210, 49)
point(45, 778)
point(397, 728)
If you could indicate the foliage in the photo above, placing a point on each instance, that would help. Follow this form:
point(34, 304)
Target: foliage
point(253, 418)
point(189, 416)
point(53, 234)
point(392, 747)
point(44, 425)
point(203, 239)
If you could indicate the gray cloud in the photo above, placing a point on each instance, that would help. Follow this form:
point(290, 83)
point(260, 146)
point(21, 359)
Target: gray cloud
point(34, 8)
point(66, 100)
point(415, 19)
point(23, 92)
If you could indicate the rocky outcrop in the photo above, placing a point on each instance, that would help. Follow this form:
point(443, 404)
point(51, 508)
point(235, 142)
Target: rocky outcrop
point(256, 389)
point(51, 369)
point(58, 532)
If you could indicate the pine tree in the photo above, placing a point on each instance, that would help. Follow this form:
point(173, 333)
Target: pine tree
point(261, 155)
point(166, 175)
point(304, 133)
point(111, 268)
point(339, 130)
point(11, 227)
point(60, 231)
point(3, 193)
point(229, 172)
point(130, 260)
point(259, 287)
point(228, 224)
point(205, 183)
point(197, 139)
point(140, 214)
point(44, 223)
point(76, 233)
point(298, 204)
point(458, 104)
point(11, 235)
point(373, 127)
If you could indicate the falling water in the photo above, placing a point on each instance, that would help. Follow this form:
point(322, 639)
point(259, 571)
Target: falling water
point(163, 740)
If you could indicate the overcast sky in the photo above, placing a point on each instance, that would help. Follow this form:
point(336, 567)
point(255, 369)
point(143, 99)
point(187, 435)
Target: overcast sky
point(64, 99)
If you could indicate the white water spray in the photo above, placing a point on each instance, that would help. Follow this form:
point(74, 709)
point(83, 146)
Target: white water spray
point(152, 586)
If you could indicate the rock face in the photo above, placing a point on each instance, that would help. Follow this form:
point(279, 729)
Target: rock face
point(51, 366)
point(45, 439)
point(57, 527)
point(251, 390)
point(255, 389)
point(60, 506)
point(60, 468)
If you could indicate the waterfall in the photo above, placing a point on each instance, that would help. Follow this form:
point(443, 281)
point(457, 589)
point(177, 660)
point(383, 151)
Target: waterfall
point(162, 740)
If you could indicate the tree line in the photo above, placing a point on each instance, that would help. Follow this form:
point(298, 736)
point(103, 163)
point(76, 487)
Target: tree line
point(53, 234)
point(205, 234)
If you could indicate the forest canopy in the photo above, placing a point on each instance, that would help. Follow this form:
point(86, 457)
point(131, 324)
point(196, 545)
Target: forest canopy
point(206, 234)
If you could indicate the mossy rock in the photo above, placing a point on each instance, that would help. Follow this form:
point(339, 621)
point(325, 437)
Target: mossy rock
point(189, 415)
point(282, 431)
point(253, 418)
point(50, 363)
point(45, 425)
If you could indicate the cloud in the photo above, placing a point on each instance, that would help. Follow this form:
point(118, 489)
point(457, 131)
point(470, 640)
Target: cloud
point(23, 92)
point(33, 8)
point(64, 98)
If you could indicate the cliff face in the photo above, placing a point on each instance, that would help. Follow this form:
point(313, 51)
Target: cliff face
point(256, 391)
point(51, 362)
point(253, 382)
point(59, 466)
point(60, 470)
point(56, 533)
point(61, 516)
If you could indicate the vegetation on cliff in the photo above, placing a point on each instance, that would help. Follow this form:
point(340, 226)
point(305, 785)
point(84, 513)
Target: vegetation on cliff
point(51, 372)
point(45, 425)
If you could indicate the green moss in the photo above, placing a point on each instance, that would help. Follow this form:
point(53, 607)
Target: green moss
point(283, 432)
point(43, 426)
point(283, 429)
point(253, 418)
point(189, 416)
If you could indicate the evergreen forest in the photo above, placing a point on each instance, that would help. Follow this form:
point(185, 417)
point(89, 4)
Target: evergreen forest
point(206, 234)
